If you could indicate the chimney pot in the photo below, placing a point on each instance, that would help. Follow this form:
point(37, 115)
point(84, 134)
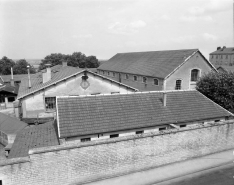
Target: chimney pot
point(164, 99)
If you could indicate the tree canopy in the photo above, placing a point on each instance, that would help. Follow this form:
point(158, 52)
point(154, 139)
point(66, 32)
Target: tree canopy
point(19, 67)
point(77, 59)
point(218, 87)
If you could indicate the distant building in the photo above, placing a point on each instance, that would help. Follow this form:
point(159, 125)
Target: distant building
point(158, 70)
point(8, 95)
point(37, 95)
point(223, 56)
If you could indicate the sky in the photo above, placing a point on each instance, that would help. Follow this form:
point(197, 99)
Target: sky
point(33, 29)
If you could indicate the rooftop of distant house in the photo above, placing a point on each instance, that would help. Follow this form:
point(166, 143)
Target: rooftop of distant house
point(152, 63)
point(35, 137)
point(86, 115)
point(223, 50)
point(10, 89)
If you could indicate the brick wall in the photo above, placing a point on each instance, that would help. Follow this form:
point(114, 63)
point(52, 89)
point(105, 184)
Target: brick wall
point(82, 162)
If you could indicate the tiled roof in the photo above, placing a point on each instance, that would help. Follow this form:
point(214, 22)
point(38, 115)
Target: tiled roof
point(226, 68)
point(57, 75)
point(154, 63)
point(107, 113)
point(7, 78)
point(34, 137)
point(10, 125)
point(10, 89)
point(223, 51)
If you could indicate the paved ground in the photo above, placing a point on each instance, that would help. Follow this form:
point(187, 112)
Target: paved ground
point(223, 175)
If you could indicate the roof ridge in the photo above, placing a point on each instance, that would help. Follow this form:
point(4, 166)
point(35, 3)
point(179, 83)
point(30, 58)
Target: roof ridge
point(159, 51)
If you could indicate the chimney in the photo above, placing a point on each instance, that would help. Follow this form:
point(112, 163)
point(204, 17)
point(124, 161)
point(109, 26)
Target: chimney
point(47, 75)
point(12, 79)
point(164, 99)
point(29, 80)
point(64, 63)
point(218, 48)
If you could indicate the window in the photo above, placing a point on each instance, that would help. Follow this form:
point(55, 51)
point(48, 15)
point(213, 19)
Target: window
point(162, 128)
point(140, 132)
point(135, 78)
point(181, 126)
point(117, 92)
point(108, 73)
point(226, 56)
point(178, 85)
point(155, 81)
point(113, 74)
point(11, 99)
point(194, 75)
point(96, 93)
point(85, 139)
point(144, 79)
point(126, 76)
point(114, 135)
point(50, 103)
point(103, 72)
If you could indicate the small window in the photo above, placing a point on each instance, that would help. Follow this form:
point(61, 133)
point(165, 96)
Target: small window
point(85, 139)
point(114, 135)
point(217, 120)
point(50, 103)
point(162, 128)
point(144, 79)
point(178, 85)
point(194, 75)
point(126, 76)
point(135, 78)
point(155, 81)
point(11, 99)
point(181, 126)
point(113, 74)
point(108, 73)
point(140, 132)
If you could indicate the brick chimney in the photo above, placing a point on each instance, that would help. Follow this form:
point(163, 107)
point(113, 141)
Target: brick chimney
point(47, 75)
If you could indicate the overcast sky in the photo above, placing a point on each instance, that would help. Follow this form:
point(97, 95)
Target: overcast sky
point(34, 29)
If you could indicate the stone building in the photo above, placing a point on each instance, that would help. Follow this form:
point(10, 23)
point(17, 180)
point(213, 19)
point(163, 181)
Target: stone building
point(158, 70)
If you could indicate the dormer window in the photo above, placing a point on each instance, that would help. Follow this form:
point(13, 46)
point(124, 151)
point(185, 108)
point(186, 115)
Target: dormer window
point(194, 75)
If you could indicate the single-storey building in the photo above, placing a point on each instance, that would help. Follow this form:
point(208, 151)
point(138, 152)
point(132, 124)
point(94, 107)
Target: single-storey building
point(37, 95)
point(158, 70)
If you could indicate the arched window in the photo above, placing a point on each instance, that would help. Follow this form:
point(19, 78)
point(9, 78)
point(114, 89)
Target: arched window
point(178, 85)
point(194, 75)
point(155, 81)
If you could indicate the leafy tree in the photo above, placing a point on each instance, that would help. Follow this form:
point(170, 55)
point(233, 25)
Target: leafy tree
point(5, 65)
point(218, 87)
point(77, 59)
point(20, 67)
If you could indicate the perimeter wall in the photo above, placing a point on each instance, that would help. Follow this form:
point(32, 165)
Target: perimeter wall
point(78, 163)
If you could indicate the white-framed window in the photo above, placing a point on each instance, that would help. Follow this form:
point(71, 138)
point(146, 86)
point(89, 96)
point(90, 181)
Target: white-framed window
point(178, 84)
point(195, 75)
point(85, 139)
point(50, 103)
point(135, 78)
point(126, 76)
point(156, 81)
point(144, 79)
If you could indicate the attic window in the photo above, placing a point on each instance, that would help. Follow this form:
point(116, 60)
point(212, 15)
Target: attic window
point(194, 75)
point(50, 103)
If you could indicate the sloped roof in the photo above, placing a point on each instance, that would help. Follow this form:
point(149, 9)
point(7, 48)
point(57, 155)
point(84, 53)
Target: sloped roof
point(153, 63)
point(99, 114)
point(223, 51)
point(226, 68)
point(62, 74)
point(10, 89)
point(10, 125)
point(34, 137)
point(7, 78)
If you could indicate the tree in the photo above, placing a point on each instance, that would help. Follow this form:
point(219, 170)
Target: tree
point(20, 67)
point(77, 59)
point(218, 87)
point(5, 65)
